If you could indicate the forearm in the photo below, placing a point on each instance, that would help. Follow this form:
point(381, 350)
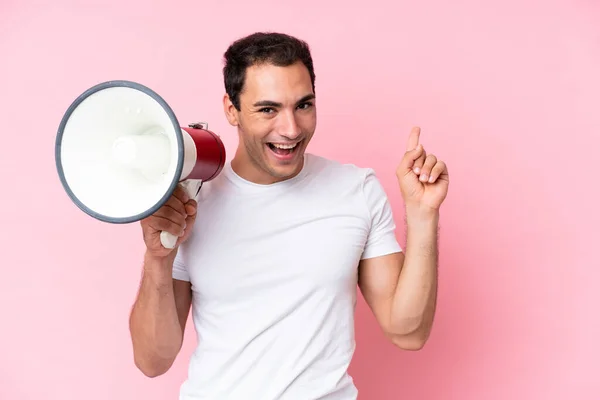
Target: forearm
point(414, 300)
point(154, 324)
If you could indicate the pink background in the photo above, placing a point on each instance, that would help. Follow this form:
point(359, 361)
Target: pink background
point(507, 92)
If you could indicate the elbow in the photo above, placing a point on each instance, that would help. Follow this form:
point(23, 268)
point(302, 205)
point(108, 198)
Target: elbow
point(152, 372)
point(152, 369)
point(411, 338)
point(413, 342)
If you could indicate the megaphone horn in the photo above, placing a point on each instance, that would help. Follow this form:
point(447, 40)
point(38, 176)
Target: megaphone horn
point(121, 152)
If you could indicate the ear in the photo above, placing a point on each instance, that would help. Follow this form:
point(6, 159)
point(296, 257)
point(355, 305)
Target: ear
point(230, 111)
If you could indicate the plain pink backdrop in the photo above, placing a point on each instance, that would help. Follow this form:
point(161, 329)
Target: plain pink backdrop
point(507, 92)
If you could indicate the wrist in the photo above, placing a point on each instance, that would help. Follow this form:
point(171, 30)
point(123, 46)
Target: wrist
point(421, 216)
point(159, 268)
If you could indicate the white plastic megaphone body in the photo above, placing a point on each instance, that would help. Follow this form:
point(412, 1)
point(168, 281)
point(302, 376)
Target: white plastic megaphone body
point(120, 153)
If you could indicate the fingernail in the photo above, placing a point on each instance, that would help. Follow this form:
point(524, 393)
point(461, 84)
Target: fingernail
point(417, 170)
point(431, 179)
point(423, 177)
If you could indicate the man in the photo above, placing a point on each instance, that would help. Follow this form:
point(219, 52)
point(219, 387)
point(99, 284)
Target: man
point(283, 237)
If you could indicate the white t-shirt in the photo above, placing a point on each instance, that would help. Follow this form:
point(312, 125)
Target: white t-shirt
point(274, 273)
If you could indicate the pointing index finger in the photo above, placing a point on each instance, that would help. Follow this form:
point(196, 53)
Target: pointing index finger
point(413, 138)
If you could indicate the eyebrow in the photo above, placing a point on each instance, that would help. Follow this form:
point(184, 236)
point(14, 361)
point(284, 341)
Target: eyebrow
point(269, 103)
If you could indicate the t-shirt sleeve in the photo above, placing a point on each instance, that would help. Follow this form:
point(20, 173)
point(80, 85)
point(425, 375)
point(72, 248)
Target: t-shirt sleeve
point(382, 234)
point(179, 265)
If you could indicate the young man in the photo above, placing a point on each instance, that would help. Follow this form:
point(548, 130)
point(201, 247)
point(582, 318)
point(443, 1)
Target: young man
point(283, 237)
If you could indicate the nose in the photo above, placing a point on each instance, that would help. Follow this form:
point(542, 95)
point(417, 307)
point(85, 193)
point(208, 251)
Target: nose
point(288, 125)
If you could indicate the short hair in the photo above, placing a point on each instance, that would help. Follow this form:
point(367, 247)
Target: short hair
point(259, 48)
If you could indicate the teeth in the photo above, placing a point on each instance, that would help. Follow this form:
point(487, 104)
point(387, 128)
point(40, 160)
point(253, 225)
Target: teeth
point(285, 146)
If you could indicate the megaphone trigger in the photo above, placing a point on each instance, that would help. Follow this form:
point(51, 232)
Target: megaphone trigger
point(192, 188)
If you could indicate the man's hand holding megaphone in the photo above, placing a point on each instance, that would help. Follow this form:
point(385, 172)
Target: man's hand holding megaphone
point(176, 216)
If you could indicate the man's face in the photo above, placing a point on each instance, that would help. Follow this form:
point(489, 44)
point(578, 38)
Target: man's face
point(276, 122)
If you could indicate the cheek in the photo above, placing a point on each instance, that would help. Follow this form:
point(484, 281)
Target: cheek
point(261, 128)
point(307, 121)
point(257, 131)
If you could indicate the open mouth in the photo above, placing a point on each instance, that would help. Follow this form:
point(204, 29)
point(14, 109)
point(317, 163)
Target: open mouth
point(283, 150)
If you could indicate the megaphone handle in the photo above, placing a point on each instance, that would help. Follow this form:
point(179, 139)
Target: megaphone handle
point(192, 188)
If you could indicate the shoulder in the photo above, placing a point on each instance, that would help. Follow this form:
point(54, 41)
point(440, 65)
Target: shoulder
point(327, 168)
point(216, 187)
point(335, 173)
point(344, 181)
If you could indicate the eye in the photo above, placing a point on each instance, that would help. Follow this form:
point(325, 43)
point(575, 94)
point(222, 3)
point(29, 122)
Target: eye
point(266, 110)
point(305, 106)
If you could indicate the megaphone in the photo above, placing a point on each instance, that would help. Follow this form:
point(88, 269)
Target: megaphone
point(121, 152)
